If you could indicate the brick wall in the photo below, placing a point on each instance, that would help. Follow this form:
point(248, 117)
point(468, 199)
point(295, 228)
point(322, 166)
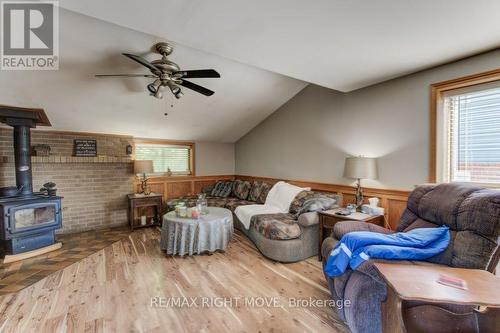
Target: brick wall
point(94, 193)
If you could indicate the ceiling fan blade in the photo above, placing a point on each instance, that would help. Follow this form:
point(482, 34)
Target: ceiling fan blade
point(198, 73)
point(143, 62)
point(197, 88)
point(125, 75)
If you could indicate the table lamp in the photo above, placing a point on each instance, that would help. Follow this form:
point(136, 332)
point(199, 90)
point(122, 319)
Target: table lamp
point(360, 168)
point(144, 167)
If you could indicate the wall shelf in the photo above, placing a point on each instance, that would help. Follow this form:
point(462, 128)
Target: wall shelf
point(71, 159)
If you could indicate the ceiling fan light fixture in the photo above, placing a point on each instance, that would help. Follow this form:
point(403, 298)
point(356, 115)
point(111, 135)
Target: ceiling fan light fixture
point(179, 94)
point(152, 89)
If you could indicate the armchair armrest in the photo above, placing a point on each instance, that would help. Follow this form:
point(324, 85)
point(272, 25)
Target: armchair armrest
point(308, 219)
point(344, 227)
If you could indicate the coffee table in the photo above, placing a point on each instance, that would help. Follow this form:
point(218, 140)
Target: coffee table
point(211, 232)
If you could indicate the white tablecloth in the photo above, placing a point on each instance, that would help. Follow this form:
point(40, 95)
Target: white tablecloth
point(193, 236)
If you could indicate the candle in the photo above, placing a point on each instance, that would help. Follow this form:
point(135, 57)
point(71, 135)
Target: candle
point(143, 220)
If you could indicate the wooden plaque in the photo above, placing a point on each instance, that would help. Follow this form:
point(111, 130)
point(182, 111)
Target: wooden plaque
point(85, 147)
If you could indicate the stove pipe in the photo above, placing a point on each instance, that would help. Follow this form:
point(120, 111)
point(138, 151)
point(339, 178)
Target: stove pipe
point(22, 152)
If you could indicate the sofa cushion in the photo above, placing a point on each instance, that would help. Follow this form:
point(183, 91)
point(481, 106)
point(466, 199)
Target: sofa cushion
point(222, 189)
point(232, 204)
point(219, 201)
point(259, 191)
point(280, 226)
point(241, 188)
point(312, 201)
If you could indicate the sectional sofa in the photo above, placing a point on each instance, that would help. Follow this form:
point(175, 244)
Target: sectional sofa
point(284, 237)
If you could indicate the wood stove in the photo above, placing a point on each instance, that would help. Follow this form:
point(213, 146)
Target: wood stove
point(28, 219)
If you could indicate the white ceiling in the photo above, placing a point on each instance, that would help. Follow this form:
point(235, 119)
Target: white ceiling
point(77, 101)
point(339, 44)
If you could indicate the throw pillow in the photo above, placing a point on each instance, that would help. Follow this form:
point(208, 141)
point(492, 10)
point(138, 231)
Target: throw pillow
point(222, 189)
point(259, 191)
point(311, 201)
point(241, 188)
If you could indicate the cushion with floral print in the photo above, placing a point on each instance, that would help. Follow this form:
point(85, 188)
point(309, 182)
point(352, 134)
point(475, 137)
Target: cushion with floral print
point(313, 201)
point(259, 191)
point(280, 226)
point(222, 189)
point(241, 188)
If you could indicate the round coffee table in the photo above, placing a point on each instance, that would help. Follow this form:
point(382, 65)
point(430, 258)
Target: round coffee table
point(211, 232)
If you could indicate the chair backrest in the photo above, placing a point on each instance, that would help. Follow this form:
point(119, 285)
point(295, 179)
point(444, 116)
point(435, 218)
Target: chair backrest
point(471, 212)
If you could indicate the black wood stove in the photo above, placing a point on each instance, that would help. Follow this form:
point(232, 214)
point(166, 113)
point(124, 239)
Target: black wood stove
point(28, 219)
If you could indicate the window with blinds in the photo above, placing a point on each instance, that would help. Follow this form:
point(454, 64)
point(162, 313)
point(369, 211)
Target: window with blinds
point(472, 120)
point(177, 158)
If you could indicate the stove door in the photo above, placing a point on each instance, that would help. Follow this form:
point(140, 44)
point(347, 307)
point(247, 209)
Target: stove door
point(30, 217)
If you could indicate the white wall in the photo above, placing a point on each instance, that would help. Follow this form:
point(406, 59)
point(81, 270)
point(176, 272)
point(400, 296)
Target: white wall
point(309, 137)
point(213, 158)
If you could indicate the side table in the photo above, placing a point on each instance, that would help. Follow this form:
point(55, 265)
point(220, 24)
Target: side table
point(419, 282)
point(328, 219)
point(140, 201)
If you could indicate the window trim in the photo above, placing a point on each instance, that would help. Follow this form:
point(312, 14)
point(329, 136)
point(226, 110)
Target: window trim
point(192, 159)
point(437, 90)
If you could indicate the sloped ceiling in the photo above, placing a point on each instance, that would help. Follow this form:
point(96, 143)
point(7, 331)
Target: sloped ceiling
point(339, 44)
point(77, 101)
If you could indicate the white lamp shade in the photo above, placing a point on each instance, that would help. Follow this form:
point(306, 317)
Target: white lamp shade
point(143, 166)
point(360, 168)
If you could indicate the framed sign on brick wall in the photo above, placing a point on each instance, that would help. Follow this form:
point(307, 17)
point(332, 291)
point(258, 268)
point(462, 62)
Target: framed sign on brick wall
point(85, 147)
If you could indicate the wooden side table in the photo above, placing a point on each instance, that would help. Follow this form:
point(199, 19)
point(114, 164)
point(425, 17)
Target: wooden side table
point(328, 219)
point(136, 201)
point(406, 282)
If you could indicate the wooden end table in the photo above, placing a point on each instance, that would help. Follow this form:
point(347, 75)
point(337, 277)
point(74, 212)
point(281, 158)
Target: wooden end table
point(328, 219)
point(419, 283)
point(136, 201)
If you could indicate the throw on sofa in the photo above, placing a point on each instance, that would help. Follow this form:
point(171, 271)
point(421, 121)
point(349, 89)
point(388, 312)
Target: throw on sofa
point(473, 216)
point(285, 237)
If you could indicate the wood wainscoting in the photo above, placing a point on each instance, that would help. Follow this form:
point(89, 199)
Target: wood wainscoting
point(393, 201)
point(178, 186)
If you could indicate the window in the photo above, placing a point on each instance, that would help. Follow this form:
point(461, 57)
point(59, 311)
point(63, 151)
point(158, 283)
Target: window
point(467, 122)
point(176, 157)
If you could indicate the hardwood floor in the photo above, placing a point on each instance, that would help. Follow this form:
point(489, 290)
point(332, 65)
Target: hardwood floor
point(20, 274)
point(125, 287)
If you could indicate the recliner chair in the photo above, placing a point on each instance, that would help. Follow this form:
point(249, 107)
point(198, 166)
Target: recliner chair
point(473, 216)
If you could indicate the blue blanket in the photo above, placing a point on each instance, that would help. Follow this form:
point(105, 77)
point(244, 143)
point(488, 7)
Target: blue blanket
point(357, 247)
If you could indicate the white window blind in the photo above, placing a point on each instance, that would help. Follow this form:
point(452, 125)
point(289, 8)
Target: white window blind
point(472, 118)
point(175, 157)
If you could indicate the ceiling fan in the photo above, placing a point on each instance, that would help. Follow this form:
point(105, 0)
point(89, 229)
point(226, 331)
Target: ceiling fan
point(168, 74)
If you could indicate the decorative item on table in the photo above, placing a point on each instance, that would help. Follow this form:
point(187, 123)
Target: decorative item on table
point(169, 172)
point(144, 167)
point(373, 208)
point(195, 213)
point(360, 168)
point(40, 150)
point(202, 203)
point(181, 210)
point(351, 208)
point(49, 189)
point(143, 220)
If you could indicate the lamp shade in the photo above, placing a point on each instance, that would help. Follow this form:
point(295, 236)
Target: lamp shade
point(143, 166)
point(360, 168)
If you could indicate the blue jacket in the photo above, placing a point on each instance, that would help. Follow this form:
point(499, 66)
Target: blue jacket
point(357, 247)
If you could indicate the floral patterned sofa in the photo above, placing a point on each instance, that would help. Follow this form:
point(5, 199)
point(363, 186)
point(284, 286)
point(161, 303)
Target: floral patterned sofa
point(285, 237)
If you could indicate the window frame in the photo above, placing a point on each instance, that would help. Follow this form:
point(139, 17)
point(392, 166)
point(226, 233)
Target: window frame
point(437, 92)
point(192, 155)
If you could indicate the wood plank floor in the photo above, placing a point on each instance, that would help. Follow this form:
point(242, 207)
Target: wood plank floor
point(124, 288)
